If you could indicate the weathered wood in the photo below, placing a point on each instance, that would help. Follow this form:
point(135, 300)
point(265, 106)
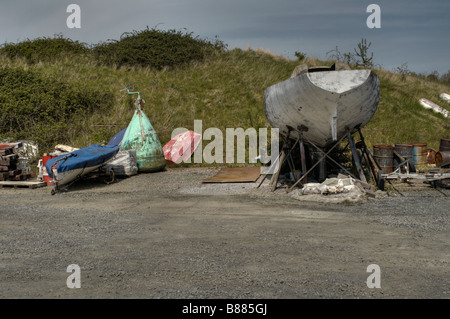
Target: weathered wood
point(15, 172)
point(21, 177)
point(5, 151)
point(277, 174)
point(303, 156)
point(371, 163)
point(317, 163)
point(356, 159)
point(22, 184)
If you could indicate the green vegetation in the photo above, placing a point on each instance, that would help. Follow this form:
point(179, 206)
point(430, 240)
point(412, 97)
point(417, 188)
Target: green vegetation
point(401, 119)
point(359, 58)
point(43, 109)
point(155, 48)
point(43, 49)
point(66, 92)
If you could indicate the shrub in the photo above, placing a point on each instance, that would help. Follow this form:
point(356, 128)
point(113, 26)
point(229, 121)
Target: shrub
point(43, 49)
point(155, 48)
point(43, 109)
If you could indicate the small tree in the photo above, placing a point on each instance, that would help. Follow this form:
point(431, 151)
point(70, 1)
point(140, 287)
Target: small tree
point(403, 70)
point(445, 78)
point(300, 55)
point(433, 76)
point(363, 53)
point(359, 58)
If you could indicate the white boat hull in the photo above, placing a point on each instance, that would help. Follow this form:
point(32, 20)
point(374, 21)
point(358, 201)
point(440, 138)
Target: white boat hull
point(327, 103)
point(445, 97)
point(432, 106)
point(63, 178)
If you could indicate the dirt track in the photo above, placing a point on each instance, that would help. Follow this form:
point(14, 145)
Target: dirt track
point(167, 235)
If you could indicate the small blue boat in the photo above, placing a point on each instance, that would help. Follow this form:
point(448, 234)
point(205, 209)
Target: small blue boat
point(71, 166)
point(117, 139)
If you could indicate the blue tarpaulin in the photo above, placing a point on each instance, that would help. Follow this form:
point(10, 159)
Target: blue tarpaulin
point(86, 157)
point(117, 139)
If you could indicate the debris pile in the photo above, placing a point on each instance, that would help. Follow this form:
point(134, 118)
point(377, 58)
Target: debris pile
point(122, 164)
point(10, 166)
point(337, 190)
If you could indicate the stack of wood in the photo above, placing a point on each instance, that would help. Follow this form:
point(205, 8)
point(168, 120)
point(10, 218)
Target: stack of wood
point(9, 164)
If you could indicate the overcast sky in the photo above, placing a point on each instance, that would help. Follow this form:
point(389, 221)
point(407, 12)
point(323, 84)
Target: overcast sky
point(412, 31)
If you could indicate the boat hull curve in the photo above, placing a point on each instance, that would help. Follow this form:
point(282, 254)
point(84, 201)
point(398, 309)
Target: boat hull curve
point(327, 104)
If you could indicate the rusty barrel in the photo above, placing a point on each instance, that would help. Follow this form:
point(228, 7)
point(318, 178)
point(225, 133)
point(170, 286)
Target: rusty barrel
point(442, 157)
point(431, 156)
point(405, 151)
point(384, 156)
point(420, 153)
point(445, 145)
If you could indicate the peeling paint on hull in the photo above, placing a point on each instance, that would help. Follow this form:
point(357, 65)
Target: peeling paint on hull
point(326, 102)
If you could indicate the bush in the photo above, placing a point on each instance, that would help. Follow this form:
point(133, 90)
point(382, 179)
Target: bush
point(155, 48)
point(43, 49)
point(43, 109)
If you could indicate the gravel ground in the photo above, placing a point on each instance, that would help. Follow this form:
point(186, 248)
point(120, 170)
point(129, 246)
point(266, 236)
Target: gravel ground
point(167, 235)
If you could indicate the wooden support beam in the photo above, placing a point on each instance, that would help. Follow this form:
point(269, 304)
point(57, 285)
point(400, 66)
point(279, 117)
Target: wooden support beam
point(317, 163)
point(356, 159)
point(282, 158)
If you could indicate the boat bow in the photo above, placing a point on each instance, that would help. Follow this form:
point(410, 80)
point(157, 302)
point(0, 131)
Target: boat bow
point(326, 104)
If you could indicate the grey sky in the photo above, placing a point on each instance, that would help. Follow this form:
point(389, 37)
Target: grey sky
point(412, 31)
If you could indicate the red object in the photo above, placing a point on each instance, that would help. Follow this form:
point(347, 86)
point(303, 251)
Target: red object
point(45, 176)
point(4, 146)
point(181, 147)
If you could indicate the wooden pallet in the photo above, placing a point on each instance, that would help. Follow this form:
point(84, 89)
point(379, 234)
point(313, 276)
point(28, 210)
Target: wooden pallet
point(21, 184)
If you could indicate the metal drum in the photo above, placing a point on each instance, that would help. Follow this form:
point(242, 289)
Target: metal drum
point(384, 156)
point(431, 156)
point(445, 145)
point(420, 153)
point(405, 151)
point(442, 157)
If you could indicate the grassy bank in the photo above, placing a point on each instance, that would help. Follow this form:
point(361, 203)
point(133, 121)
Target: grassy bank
point(223, 88)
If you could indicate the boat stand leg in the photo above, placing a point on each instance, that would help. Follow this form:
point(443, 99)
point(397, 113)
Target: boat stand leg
point(317, 163)
point(331, 159)
point(362, 177)
point(290, 161)
point(282, 158)
point(272, 166)
point(303, 155)
point(372, 164)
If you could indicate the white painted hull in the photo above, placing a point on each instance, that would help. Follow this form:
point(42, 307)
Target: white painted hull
point(326, 103)
point(63, 178)
point(445, 97)
point(432, 106)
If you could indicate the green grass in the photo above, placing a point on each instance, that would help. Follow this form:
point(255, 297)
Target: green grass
point(224, 89)
point(401, 119)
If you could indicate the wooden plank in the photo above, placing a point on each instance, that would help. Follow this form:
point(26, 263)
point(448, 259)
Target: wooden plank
point(6, 151)
point(18, 184)
point(15, 172)
point(235, 175)
point(5, 161)
point(4, 176)
point(21, 177)
point(356, 159)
